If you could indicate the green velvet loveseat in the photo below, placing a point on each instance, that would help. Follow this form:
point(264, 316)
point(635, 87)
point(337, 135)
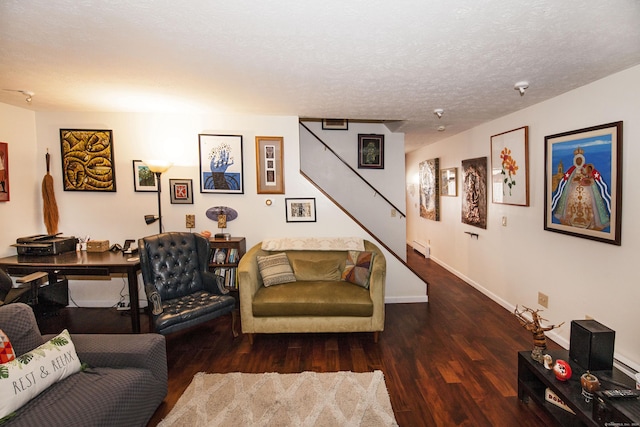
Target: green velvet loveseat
point(319, 299)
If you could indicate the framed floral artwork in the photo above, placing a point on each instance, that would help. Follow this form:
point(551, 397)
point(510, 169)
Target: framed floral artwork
point(583, 183)
point(221, 169)
point(510, 167)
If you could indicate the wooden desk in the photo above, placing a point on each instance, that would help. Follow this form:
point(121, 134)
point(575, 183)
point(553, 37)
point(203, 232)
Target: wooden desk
point(82, 264)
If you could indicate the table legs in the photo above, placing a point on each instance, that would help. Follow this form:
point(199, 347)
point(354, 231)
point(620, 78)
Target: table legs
point(132, 279)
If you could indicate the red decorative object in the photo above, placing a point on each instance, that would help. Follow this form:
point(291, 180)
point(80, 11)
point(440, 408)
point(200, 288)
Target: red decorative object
point(562, 370)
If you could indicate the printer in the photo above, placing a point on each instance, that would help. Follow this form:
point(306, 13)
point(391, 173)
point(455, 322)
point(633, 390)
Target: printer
point(45, 244)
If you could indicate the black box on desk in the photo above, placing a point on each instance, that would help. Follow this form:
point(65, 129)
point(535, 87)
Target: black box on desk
point(591, 345)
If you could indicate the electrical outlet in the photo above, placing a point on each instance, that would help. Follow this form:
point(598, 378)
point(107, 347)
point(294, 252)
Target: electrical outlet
point(588, 317)
point(123, 306)
point(504, 221)
point(543, 300)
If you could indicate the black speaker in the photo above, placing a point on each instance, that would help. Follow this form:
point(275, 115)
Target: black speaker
point(591, 345)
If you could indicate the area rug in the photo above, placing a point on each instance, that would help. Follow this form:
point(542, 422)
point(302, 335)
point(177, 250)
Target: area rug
point(272, 399)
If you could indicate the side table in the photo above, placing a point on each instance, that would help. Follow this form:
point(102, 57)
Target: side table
point(533, 380)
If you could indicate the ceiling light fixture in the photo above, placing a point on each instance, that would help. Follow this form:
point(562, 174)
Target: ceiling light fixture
point(27, 93)
point(438, 112)
point(521, 87)
point(441, 128)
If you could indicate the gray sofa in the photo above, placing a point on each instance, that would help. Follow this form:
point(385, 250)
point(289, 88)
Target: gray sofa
point(123, 386)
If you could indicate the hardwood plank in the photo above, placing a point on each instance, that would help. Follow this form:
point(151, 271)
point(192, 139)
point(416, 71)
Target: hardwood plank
point(452, 361)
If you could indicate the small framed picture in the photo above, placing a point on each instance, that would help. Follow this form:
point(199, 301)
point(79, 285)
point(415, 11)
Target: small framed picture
point(300, 210)
point(181, 191)
point(269, 164)
point(370, 151)
point(143, 178)
point(449, 182)
point(335, 124)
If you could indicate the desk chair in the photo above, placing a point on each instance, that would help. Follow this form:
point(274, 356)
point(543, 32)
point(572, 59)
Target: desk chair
point(180, 289)
point(26, 294)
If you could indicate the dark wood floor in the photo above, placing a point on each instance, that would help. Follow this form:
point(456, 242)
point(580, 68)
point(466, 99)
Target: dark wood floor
point(449, 362)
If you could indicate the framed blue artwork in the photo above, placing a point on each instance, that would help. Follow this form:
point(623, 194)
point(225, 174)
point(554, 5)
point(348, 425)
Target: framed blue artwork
point(583, 183)
point(221, 164)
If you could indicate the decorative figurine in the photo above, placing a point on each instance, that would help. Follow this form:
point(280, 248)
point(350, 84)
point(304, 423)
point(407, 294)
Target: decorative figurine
point(562, 370)
point(533, 325)
point(548, 361)
point(590, 384)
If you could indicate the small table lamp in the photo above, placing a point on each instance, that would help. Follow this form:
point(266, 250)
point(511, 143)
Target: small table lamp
point(222, 214)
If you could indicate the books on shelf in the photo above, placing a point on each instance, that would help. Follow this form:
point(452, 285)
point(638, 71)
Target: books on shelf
point(229, 275)
point(223, 256)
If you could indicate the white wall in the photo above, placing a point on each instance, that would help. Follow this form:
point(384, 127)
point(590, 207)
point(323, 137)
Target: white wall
point(119, 215)
point(22, 214)
point(511, 264)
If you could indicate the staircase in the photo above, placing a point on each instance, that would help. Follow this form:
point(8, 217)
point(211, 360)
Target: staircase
point(325, 164)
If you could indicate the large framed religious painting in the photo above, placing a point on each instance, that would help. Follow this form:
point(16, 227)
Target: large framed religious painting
point(221, 169)
point(474, 192)
point(87, 160)
point(510, 167)
point(429, 189)
point(583, 183)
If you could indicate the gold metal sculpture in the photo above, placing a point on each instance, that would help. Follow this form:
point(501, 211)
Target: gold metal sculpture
point(533, 325)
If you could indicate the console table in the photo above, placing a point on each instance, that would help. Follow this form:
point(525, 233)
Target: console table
point(533, 379)
point(82, 263)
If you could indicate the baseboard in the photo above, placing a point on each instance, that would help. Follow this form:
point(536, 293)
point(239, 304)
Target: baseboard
point(623, 363)
point(401, 300)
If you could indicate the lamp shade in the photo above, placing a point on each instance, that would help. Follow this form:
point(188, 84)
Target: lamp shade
point(158, 166)
point(214, 212)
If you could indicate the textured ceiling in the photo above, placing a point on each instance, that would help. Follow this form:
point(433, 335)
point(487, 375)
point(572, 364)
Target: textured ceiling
point(368, 59)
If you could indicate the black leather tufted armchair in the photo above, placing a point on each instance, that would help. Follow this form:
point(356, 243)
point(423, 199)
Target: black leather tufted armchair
point(180, 289)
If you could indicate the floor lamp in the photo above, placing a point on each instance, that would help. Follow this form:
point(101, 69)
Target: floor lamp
point(158, 167)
